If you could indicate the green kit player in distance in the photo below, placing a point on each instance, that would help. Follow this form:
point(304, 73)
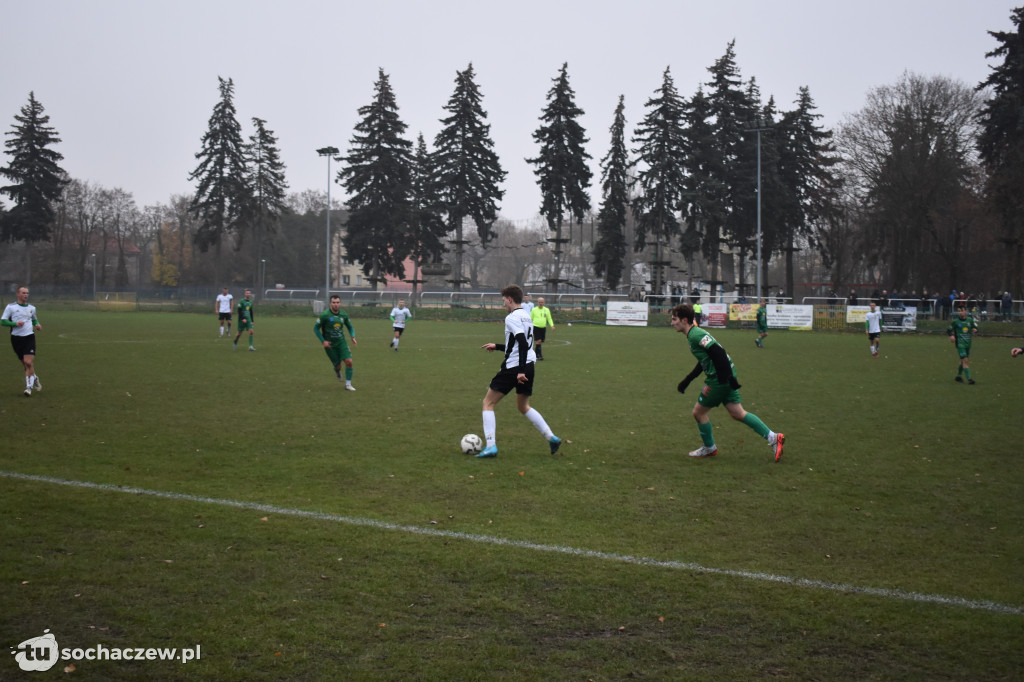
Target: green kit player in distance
point(246, 319)
point(960, 333)
point(329, 328)
point(720, 385)
point(761, 323)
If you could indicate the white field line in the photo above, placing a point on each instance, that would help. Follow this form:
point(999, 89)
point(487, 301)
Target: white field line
point(982, 605)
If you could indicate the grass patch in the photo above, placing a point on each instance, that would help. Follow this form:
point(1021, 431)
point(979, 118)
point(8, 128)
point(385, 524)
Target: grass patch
point(895, 477)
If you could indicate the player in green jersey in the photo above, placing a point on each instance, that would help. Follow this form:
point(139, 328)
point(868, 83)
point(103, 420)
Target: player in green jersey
point(329, 329)
point(720, 385)
point(762, 323)
point(960, 332)
point(245, 319)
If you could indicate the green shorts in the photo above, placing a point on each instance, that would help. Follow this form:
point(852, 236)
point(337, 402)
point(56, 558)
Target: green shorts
point(963, 350)
point(338, 353)
point(244, 324)
point(713, 395)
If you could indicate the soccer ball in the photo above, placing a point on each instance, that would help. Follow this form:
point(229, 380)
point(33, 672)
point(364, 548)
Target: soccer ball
point(471, 444)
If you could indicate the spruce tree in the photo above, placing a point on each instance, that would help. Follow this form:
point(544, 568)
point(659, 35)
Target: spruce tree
point(221, 191)
point(562, 171)
point(266, 184)
point(1001, 141)
point(378, 178)
point(427, 224)
point(806, 157)
point(36, 178)
point(662, 153)
point(733, 112)
point(610, 249)
point(704, 209)
point(469, 173)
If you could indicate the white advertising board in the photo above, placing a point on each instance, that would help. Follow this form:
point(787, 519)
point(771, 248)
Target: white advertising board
point(790, 316)
point(626, 313)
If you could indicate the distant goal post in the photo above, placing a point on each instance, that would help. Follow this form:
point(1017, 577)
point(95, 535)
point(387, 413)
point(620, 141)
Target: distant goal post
point(117, 300)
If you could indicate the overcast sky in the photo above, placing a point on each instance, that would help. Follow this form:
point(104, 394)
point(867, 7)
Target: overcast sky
point(130, 85)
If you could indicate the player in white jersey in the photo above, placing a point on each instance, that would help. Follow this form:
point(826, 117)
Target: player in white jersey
point(21, 318)
point(517, 371)
point(223, 308)
point(399, 314)
point(873, 328)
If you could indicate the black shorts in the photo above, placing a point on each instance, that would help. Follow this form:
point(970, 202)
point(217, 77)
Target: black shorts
point(873, 335)
point(540, 333)
point(23, 345)
point(505, 380)
point(399, 330)
point(224, 316)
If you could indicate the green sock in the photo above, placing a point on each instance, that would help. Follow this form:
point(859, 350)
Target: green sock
point(959, 370)
point(348, 374)
point(706, 434)
point(967, 371)
point(753, 422)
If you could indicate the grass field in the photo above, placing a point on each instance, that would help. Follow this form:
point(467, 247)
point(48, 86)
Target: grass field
point(165, 491)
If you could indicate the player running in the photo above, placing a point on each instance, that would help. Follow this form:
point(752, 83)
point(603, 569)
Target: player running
point(761, 323)
point(399, 315)
point(960, 333)
point(517, 371)
point(223, 308)
point(720, 385)
point(328, 328)
point(21, 318)
point(246, 320)
point(873, 328)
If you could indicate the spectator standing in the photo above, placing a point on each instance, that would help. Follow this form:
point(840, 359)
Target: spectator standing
point(1007, 304)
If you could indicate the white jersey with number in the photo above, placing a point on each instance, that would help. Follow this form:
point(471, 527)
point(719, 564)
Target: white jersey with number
point(518, 322)
point(15, 312)
point(400, 315)
point(224, 303)
point(874, 320)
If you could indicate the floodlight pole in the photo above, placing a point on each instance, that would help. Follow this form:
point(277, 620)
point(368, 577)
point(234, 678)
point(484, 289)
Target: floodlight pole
point(329, 152)
point(758, 127)
point(93, 256)
point(263, 278)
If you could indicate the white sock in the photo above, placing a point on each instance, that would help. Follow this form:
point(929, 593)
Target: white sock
point(771, 437)
point(28, 382)
point(396, 342)
point(538, 422)
point(490, 426)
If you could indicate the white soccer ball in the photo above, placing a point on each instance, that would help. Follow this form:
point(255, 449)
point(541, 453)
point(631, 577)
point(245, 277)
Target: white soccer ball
point(471, 444)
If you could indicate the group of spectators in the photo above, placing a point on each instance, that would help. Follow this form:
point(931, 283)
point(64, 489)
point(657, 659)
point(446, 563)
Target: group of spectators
point(939, 304)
